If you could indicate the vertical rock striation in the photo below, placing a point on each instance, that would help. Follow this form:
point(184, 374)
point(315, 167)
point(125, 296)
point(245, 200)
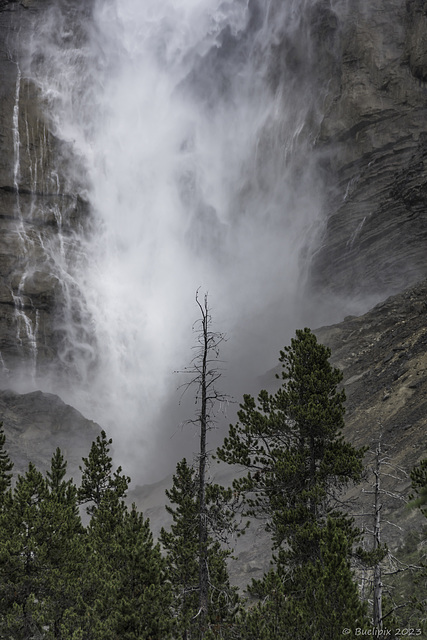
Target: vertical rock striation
point(373, 135)
point(38, 214)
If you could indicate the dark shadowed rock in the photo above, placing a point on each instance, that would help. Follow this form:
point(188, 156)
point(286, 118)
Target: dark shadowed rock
point(37, 423)
point(375, 233)
point(39, 209)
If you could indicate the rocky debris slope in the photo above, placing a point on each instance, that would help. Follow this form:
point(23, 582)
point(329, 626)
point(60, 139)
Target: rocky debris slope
point(383, 356)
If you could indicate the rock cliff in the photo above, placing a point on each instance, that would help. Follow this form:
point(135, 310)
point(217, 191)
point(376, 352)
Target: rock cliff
point(37, 423)
point(375, 233)
point(39, 212)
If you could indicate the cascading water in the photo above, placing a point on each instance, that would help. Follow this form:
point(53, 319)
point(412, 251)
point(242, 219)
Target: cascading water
point(26, 327)
point(188, 125)
point(16, 136)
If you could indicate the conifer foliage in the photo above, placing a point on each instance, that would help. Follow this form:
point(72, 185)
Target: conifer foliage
point(6, 467)
point(182, 548)
point(292, 447)
point(62, 581)
point(98, 479)
point(297, 464)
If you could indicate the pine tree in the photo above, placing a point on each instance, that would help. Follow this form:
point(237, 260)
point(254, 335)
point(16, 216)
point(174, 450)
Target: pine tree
point(297, 464)
point(62, 553)
point(292, 447)
point(123, 591)
point(318, 600)
point(126, 593)
point(181, 544)
point(145, 594)
point(59, 581)
point(6, 466)
point(330, 601)
point(41, 553)
point(21, 535)
point(98, 477)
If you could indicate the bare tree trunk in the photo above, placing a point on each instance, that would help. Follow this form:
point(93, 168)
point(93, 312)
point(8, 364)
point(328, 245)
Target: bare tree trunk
point(378, 587)
point(205, 372)
point(203, 531)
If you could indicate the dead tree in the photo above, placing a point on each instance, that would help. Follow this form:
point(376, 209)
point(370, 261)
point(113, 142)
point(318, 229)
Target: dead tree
point(382, 469)
point(205, 371)
point(377, 583)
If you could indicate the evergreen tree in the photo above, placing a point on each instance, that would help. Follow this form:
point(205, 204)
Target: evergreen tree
point(59, 581)
point(181, 546)
point(419, 483)
point(6, 466)
point(145, 594)
point(122, 591)
point(41, 554)
point(182, 555)
point(319, 601)
point(297, 464)
point(126, 593)
point(22, 533)
point(292, 447)
point(62, 553)
point(98, 477)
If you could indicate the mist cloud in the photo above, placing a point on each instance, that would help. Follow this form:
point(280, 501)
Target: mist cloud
point(190, 127)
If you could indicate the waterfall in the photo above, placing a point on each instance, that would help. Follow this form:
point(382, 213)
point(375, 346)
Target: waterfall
point(16, 136)
point(189, 126)
point(26, 326)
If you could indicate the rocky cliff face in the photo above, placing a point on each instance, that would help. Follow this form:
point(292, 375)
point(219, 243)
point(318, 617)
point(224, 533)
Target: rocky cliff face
point(39, 213)
point(37, 423)
point(373, 131)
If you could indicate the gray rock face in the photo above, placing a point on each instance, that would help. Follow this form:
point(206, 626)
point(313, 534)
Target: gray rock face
point(375, 233)
point(36, 423)
point(39, 214)
point(383, 356)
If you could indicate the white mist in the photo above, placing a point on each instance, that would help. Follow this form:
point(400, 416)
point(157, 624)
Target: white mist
point(200, 172)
